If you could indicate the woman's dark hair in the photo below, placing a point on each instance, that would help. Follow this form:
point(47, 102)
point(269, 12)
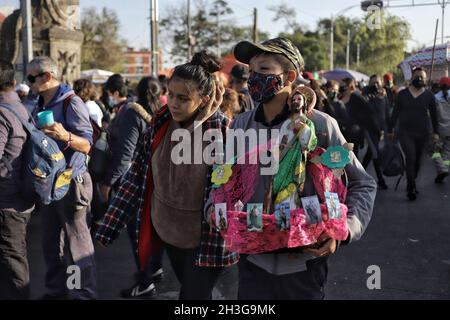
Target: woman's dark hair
point(200, 71)
point(349, 82)
point(230, 103)
point(85, 89)
point(163, 82)
point(148, 92)
point(331, 83)
point(314, 85)
point(117, 83)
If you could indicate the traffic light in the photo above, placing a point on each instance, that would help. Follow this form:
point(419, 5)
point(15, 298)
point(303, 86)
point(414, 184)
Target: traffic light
point(366, 4)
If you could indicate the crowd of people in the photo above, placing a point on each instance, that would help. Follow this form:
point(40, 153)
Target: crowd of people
point(166, 207)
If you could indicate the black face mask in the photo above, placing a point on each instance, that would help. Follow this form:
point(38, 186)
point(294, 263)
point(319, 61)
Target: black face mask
point(373, 89)
point(418, 83)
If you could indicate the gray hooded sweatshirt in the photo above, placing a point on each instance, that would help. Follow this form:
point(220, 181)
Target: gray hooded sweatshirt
point(361, 187)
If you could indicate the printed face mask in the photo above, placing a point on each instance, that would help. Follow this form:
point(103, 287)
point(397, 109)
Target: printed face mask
point(263, 87)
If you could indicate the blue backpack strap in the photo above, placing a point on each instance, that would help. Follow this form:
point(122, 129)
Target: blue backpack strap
point(26, 124)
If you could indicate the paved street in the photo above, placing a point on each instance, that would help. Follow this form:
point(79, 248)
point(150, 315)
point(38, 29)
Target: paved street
point(408, 241)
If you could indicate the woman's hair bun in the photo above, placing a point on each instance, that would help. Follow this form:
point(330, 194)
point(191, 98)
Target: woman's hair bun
point(208, 62)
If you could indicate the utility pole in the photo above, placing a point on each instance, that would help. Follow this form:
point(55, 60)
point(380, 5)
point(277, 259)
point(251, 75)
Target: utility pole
point(434, 50)
point(443, 3)
point(332, 34)
point(255, 25)
point(189, 36)
point(332, 44)
point(218, 33)
point(27, 35)
point(154, 37)
point(348, 50)
point(358, 48)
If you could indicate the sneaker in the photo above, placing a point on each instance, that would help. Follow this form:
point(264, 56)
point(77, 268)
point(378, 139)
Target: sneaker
point(440, 177)
point(158, 275)
point(139, 290)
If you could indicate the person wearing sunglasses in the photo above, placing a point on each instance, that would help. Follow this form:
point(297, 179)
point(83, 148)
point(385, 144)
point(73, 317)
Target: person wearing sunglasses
point(73, 132)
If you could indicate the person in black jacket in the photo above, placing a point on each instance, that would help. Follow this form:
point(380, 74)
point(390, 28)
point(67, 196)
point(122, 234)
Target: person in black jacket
point(239, 82)
point(379, 106)
point(335, 107)
point(128, 126)
point(362, 119)
point(411, 115)
point(391, 92)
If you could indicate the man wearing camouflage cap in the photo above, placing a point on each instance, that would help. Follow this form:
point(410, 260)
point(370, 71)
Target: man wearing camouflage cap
point(299, 273)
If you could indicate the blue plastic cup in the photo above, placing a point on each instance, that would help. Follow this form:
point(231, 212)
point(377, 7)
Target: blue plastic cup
point(45, 118)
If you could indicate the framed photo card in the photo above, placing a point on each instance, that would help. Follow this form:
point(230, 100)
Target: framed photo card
point(333, 205)
point(283, 215)
point(254, 217)
point(221, 216)
point(311, 206)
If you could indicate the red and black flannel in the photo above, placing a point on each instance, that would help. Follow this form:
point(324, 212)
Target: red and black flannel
point(130, 196)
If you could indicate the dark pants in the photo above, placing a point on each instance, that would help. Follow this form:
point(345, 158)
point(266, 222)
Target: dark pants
point(67, 241)
point(257, 284)
point(373, 141)
point(14, 271)
point(196, 282)
point(353, 134)
point(413, 146)
point(155, 262)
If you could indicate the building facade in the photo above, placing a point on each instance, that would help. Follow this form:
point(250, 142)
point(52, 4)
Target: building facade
point(137, 64)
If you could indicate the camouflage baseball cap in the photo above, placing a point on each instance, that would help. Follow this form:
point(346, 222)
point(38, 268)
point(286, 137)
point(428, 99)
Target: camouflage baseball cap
point(245, 50)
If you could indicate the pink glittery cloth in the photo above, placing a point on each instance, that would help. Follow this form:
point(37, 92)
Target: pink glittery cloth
point(241, 187)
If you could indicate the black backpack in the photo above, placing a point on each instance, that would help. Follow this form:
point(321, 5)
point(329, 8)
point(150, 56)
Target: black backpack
point(392, 160)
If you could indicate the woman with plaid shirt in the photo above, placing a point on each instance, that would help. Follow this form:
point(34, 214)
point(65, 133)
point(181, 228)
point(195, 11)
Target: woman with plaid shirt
point(168, 195)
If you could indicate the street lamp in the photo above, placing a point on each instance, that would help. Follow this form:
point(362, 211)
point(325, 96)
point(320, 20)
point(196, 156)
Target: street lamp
point(332, 35)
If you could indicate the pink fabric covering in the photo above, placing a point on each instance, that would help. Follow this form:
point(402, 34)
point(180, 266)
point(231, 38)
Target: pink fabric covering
point(238, 239)
point(241, 187)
